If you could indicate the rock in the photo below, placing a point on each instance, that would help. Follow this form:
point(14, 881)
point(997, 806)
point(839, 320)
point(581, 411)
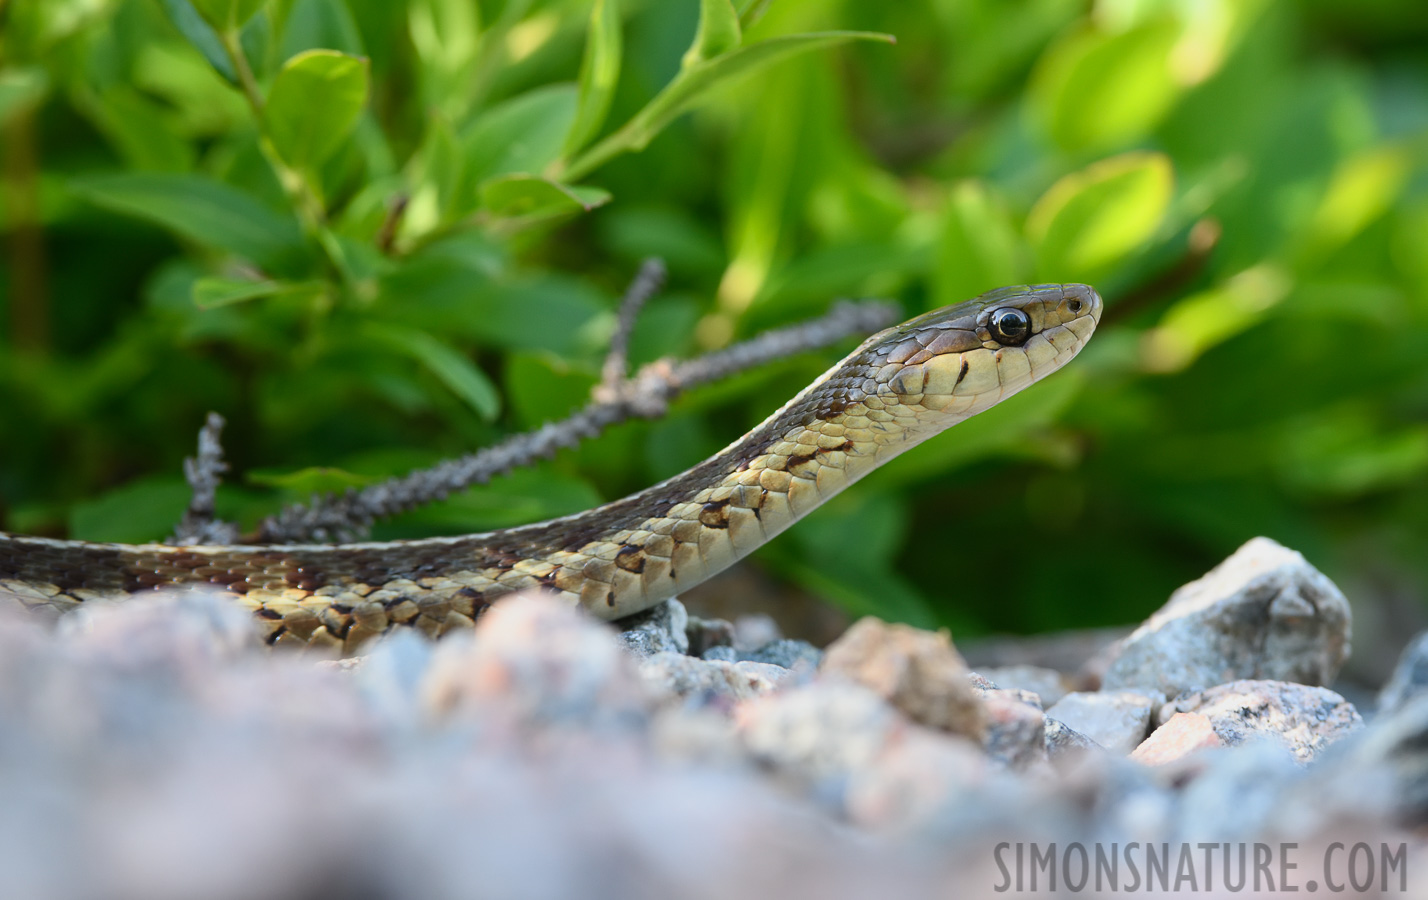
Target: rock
point(786, 653)
point(753, 632)
point(705, 634)
point(1304, 719)
point(1264, 613)
point(721, 654)
point(919, 672)
point(659, 629)
point(922, 774)
point(1063, 741)
point(1015, 734)
point(1048, 684)
point(677, 675)
point(1393, 751)
point(1233, 795)
point(534, 660)
point(819, 731)
point(1117, 720)
point(1182, 735)
point(1409, 678)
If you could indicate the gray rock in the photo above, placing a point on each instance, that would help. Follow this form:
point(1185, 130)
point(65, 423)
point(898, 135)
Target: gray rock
point(1117, 720)
point(705, 634)
point(1015, 733)
point(1048, 684)
point(660, 629)
point(1409, 678)
point(1264, 613)
point(720, 654)
point(1063, 741)
point(1304, 719)
point(755, 631)
point(1389, 763)
point(786, 653)
point(1236, 792)
point(679, 676)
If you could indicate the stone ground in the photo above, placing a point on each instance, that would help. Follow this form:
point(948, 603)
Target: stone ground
point(153, 750)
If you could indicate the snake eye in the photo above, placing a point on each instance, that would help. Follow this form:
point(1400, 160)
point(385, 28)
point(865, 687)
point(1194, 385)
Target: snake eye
point(1010, 326)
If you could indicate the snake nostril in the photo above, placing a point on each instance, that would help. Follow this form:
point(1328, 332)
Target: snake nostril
point(1074, 306)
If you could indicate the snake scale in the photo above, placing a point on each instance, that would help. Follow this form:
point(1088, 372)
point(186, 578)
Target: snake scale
point(898, 388)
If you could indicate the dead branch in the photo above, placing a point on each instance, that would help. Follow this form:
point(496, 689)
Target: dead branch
point(204, 473)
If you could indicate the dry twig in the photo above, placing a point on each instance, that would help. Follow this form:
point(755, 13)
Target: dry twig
point(617, 398)
point(204, 473)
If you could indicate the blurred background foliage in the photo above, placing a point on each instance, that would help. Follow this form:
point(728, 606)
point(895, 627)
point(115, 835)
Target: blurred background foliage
point(375, 233)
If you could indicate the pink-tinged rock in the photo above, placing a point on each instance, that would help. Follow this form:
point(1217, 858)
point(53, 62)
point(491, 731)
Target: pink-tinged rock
point(1016, 728)
point(1182, 735)
point(917, 671)
point(1304, 719)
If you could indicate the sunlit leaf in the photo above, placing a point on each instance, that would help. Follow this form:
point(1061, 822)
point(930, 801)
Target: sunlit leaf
point(531, 199)
point(693, 85)
point(599, 72)
point(1200, 321)
point(314, 104)
point(718, 32)
point(523, 134)
point(21, 88)
point(1091, 219)
point(1094, 89)
point(979, 248)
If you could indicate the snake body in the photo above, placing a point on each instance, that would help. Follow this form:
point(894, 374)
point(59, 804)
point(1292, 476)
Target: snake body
point(898, 388)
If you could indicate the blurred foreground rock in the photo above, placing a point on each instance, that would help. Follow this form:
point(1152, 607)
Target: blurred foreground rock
point(156, 750)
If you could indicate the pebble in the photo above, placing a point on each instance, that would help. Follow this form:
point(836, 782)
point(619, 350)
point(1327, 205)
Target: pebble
point(678, 676)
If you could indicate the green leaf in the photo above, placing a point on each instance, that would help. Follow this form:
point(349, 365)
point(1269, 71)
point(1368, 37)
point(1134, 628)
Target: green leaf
point(1090, 220)
point(543, 387)
point(203, 210)
point(311, 480)
point(599, 72)
point(314, 105)
point(225, 15)
point(199, 33)
point(718, 32)
point(449, 365)
point(525, 495)
point(209, 293)
point(693, 85)
point(528, 199)
point(523, 134)
point(140, 511)
point(1098, 90)
point(979, 248)
point(21, 89)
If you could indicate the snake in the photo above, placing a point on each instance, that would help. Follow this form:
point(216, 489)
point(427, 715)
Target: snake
point(899, 387)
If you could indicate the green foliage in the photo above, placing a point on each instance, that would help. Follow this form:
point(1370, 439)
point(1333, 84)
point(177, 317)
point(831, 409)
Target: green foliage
point(375, 233)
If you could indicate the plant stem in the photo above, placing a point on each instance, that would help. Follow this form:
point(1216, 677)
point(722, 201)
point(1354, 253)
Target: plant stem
point(305, 202)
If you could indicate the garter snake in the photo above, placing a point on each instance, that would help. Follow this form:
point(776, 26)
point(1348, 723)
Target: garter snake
point(898, 388)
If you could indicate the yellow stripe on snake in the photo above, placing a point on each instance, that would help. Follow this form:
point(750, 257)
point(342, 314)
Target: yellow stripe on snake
point(900, 387)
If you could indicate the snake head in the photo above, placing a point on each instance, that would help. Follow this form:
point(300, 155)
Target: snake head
point(962, 359)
